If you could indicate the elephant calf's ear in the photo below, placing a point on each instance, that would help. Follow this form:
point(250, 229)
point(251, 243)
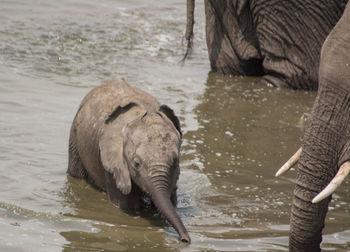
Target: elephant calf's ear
point(172, 117)
point(111, 154)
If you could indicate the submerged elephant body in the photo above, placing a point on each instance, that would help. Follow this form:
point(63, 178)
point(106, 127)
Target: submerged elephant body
point(125, 143)
point(280, 40)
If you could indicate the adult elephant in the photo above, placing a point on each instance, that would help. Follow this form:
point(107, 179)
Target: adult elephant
point(325, 149)
point(279, 39)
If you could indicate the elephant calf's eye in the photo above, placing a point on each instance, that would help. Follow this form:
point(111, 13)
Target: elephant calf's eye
point(137, 163)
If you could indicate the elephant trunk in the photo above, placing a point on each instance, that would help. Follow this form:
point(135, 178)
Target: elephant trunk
point(189, 28)
point(160, 196)
point(307, 219)
point(322, 147)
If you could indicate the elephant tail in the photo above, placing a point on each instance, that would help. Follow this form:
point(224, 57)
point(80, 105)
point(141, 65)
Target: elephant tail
point(189, 29)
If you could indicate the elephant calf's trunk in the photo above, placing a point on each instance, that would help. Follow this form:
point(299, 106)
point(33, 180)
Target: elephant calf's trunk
point(161, 200)
point(166, 208)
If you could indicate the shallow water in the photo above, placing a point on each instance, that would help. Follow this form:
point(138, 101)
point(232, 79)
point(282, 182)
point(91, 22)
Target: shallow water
point(236, 133)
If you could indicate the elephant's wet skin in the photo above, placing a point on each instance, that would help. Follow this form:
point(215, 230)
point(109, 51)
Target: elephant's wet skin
point(125, 143)
point(326, 143)
point(279, 40)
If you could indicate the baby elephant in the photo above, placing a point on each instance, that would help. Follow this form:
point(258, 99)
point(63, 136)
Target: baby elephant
point(125, 143)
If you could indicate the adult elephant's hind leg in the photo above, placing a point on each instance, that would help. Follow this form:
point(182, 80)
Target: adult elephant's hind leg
point(75, 166)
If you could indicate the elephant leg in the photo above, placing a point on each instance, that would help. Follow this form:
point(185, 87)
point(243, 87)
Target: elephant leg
point(75, 166)
point(271, 80)
point(231, 40)
point(131, 201)
point(173, 197)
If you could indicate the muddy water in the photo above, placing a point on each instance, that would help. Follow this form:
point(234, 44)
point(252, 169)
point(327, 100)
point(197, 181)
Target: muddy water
point(236, 133)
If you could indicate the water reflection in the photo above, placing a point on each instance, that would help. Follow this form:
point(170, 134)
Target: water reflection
point(113, 229)
point(245, 132)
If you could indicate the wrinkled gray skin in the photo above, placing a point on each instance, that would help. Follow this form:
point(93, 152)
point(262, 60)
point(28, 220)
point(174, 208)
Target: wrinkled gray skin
point(278, 39)
point(125, 143)
point(326, 143)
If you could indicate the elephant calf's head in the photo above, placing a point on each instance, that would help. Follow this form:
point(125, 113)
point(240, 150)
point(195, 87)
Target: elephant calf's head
point(146, 154)
point(151, 151)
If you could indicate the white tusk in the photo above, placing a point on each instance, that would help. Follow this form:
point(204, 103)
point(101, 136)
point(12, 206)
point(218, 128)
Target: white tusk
point(290, 163)
point(336, 181)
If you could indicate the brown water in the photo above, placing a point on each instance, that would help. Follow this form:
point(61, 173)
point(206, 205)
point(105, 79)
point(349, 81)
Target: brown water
point(236, 133)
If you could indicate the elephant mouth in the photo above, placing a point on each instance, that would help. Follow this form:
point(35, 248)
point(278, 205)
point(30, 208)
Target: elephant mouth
point(147, 202)
point(342, 173)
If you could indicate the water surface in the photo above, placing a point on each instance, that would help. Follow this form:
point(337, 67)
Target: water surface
point(236, 133)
